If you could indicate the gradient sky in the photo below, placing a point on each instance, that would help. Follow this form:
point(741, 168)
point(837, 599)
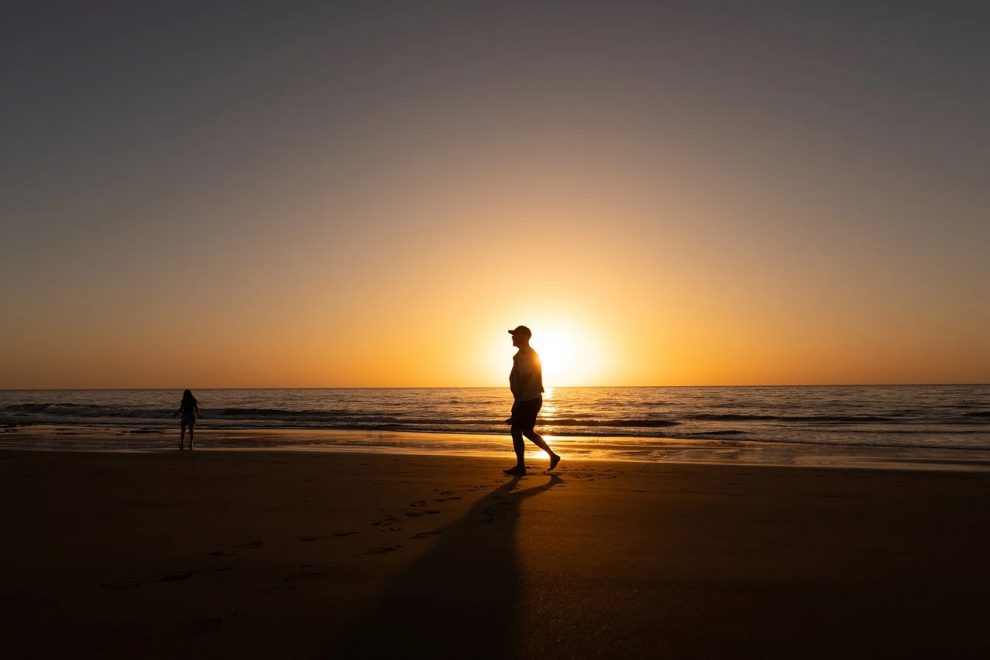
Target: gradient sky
point(368, 194)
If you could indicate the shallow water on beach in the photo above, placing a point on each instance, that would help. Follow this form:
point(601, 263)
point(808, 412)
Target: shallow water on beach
point(643, 423)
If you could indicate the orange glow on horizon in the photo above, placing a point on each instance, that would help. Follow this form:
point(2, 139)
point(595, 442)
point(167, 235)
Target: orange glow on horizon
point(623, 281)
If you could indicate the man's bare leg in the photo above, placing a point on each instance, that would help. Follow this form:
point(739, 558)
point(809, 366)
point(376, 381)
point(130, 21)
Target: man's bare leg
point(538, 440)
point(520, 448)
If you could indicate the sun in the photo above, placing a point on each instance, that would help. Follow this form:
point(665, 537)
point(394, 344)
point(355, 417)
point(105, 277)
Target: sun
point(569, 353)
point(573, 353)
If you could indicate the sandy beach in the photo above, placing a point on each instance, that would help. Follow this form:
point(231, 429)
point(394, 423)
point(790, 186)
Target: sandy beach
point(265, 554)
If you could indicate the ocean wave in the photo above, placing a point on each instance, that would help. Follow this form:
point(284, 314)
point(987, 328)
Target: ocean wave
point(278, 412)
point(38, 407)
point(69, 410)
point(705, 434)
point(620, 423)
point(839, 419)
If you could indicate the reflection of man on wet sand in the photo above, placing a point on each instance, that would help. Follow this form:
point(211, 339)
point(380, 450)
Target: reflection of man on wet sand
point(526, 383)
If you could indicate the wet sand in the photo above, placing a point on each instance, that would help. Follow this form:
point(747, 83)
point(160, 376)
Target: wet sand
point(264, 554)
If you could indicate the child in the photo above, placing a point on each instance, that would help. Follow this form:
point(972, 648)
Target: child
point(189, 408)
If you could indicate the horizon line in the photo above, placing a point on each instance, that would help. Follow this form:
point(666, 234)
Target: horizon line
point(489, 387)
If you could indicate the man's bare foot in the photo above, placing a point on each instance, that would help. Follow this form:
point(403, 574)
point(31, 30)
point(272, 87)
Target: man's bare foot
point(517, 471)
point(554, 459)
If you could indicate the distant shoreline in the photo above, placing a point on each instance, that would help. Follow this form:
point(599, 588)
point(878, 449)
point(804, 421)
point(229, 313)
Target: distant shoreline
point(467, 445)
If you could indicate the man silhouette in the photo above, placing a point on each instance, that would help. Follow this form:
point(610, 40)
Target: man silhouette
point(526, 383)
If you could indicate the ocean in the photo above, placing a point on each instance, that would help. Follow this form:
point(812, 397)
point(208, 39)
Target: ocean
point(640, 423)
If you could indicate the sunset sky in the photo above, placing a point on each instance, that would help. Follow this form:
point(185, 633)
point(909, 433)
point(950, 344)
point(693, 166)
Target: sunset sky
point(369, 194)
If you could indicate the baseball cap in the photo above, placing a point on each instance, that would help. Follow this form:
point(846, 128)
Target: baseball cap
point(522, 331)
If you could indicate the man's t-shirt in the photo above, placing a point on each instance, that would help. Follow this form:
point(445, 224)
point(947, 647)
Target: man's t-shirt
point(526, 377)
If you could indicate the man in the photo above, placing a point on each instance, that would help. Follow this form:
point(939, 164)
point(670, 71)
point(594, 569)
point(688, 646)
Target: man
point(526, 383)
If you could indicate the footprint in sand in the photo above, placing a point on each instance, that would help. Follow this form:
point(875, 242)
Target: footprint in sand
point(252, 545)
point(383, 549)
point(426, 535)
point(178, 577)
point(342, 534)
point(302, 576)
point(193, 627)
point(120, 585)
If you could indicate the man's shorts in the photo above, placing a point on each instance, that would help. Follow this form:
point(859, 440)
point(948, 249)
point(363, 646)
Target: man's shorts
point(524, 413)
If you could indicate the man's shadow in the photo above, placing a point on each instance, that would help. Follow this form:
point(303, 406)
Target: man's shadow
point(462, 599)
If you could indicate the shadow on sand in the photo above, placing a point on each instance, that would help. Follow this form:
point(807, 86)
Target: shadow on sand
point(462, 599)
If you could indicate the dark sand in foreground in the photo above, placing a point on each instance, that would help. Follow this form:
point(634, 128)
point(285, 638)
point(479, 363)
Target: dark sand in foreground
point(305, 554)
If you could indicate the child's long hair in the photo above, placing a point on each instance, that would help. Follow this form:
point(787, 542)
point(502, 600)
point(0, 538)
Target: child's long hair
point(188, 400)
